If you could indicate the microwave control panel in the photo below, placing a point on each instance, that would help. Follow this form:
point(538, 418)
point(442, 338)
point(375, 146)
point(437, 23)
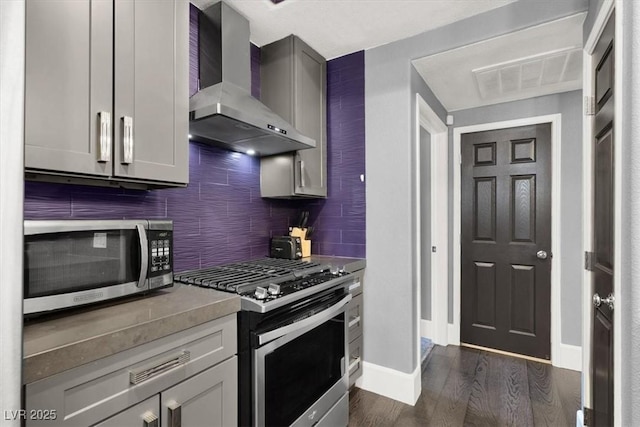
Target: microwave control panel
point(160, 258)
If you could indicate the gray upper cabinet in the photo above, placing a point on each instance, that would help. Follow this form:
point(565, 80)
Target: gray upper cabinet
point(69, 81)
point(293, 84)
point(107, 90)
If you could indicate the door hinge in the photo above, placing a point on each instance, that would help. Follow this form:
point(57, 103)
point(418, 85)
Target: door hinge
point(587, 415)
point(589, 105)
point(589, 261)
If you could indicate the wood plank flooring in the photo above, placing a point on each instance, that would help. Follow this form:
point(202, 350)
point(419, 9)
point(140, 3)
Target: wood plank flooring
point(468, 387)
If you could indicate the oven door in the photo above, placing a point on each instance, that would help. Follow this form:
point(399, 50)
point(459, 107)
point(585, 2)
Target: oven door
point(300, 369)
point(74, 262)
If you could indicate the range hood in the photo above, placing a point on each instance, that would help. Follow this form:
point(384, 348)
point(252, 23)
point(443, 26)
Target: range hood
point(223, 113)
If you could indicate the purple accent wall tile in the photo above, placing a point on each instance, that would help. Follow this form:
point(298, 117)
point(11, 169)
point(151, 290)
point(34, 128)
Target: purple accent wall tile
point(341, 218)
point(220, 217)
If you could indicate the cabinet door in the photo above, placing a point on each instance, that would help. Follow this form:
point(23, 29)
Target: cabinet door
point(310, 118)
point(209, 398)
point(144, 414)
point(151, 90)
point(68, 81)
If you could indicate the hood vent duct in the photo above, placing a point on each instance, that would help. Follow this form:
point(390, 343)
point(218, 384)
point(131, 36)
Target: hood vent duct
point(223, 112)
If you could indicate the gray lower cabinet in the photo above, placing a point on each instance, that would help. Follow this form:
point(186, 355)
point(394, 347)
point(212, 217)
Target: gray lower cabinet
point(106, 90)
point(144, 414)
point(293, 84)
point(185, 379)
point(209, 398)
point(355, 318)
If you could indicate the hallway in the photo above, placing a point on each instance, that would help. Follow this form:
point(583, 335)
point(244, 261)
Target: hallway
point(462, 386)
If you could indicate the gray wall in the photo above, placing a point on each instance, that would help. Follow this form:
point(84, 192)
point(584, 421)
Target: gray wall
point(390, 144)
point(594, 7)
point(425, 223)
point(568, 104)
point(628, 302)
point(12, 57)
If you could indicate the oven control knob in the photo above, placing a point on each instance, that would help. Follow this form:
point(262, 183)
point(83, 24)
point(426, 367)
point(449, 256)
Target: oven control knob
point(261, 293)
point(274, 289)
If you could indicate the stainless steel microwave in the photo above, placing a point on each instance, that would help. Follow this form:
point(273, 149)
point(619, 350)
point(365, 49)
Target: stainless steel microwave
point(69, 263)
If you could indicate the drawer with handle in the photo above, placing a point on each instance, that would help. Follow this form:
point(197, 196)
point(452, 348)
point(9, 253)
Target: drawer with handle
point(93, 392)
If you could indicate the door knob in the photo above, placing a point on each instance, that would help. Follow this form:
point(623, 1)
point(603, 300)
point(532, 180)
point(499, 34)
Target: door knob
point(541, 254)
point(598, 301)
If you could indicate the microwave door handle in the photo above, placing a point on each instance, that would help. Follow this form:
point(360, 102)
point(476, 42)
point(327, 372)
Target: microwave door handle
point(144, 254)
point(308, 323)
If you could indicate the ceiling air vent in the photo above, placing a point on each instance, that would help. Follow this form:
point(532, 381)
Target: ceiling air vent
point(533, 72)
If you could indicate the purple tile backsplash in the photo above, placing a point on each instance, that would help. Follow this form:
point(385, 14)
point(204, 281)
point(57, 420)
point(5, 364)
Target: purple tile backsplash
point(220, 217)
point(340, 219)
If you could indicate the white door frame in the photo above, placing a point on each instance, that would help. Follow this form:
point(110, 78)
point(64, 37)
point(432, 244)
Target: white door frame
point(608, 8)
point(562, 355)
point(436, 329)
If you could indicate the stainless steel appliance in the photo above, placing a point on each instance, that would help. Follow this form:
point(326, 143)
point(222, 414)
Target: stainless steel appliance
point(223, 112)
point(292, 340)
point(68, 263)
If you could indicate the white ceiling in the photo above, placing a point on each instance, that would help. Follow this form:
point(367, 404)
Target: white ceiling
point(533, 62)
point(337, 27)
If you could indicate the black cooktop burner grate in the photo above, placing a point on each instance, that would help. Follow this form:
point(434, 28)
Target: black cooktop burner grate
point(241, 277)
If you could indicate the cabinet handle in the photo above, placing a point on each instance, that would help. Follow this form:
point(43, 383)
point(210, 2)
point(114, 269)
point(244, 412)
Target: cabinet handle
point(175, 414)
point(354, 285)
point(127, 140)
point(354, 321)
point(354, 362)
point(165, 364)
point(302, 173)
point(104, 140)
point(150, 420)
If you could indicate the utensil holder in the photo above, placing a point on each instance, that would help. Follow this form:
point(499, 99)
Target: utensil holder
point(304, 242)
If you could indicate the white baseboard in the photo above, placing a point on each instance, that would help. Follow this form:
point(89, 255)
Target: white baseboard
point(579, 418)
point(568, 357)
point(453, 334)
point(425, 328)
point(396, 385)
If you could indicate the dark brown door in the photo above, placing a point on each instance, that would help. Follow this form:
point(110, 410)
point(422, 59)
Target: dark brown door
point(603, 190)
point(506, 240)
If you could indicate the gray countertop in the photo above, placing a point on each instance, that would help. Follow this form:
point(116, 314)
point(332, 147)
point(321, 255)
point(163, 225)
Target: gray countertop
point(56, 343)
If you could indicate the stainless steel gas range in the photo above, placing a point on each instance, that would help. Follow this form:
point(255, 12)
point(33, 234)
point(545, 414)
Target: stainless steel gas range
point(292, 339)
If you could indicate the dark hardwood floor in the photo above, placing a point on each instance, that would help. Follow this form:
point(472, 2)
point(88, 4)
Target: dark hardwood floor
point(467, 387)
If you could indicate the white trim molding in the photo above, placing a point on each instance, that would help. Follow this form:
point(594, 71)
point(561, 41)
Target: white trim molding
point(438, 169)
point(568, 357)
point(426, 328)
point(556, 134)
point(390, 383)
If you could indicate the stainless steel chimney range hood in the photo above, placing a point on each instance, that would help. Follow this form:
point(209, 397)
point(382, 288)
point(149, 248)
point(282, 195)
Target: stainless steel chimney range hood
point(224, 113)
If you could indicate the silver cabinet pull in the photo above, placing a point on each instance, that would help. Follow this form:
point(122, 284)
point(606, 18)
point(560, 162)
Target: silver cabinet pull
point(609, 301)
point(302, 173)
point(140, 375)
point(354, 321)
point(354, 362)
point(104, 139)
point(150, 420)
point(127, 140)
point(541, 254)
point(175, 414)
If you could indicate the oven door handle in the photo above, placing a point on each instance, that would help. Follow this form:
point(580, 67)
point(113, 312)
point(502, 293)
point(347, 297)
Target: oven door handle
point(307, 324)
